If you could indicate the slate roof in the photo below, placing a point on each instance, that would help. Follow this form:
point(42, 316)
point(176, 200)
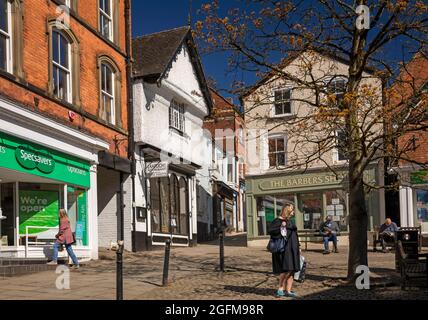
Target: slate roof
point(153, 52)
point(153, 55)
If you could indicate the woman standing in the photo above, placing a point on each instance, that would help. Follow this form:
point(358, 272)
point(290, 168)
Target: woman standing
point(288, 262)
point(64, 237)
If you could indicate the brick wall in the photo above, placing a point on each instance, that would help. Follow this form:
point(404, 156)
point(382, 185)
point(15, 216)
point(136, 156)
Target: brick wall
point(32, 91)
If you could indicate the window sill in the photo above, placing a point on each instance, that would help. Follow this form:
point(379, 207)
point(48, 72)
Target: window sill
point(178, 132)
point(282, 116)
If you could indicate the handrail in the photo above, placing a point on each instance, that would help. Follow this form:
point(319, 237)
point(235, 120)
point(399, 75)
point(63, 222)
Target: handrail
point(26, 235)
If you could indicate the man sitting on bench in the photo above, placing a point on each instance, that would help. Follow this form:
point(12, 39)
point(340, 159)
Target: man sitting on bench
point(329, 230)
point(387, 233)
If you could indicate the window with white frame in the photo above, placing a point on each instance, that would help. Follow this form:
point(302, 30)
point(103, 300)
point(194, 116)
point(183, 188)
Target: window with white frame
point(337, 86)
point(282, 102)
point(176, 116)
point(61, 66)
point(340, 153)
point(5, 36)
point(106, 18)
point(277, 151)
point(108, 103)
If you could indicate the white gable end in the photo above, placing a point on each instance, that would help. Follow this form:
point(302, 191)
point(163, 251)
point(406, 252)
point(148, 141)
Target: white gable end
point(182, 75)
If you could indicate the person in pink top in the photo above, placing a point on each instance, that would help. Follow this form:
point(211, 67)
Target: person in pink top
point(64, 237)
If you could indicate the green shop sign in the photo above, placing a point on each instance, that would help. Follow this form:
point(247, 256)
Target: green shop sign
point(31, 159)
point(23, 156)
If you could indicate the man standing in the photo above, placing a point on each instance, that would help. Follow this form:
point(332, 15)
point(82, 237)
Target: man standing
point(387, 233)
point(330, 230)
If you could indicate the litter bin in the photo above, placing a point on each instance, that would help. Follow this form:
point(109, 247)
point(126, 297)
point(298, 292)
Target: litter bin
point(409, 237)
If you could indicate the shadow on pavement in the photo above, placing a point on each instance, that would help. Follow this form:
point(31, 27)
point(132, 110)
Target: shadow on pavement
point(269, 292)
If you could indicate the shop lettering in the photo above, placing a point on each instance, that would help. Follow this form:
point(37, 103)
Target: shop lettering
point(30, 204)
point(298, 182)
point(76, 171)
point(30, 159)
point(35, 158)
point(2, 150)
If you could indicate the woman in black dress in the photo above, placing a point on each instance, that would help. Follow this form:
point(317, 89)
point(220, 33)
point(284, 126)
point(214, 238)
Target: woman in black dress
point(288, 262)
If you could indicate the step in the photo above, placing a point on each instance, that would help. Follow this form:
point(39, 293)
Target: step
point(18, 270)
point(22, 261)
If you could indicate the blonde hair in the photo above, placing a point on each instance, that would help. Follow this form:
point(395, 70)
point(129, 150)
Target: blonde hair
point(63, 214)
point(287, 209)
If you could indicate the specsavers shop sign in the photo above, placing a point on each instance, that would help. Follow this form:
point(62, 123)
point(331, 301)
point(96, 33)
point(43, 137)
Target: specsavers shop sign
point(23, 156)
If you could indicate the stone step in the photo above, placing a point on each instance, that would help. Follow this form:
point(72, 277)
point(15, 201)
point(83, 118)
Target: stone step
point(22, 261)
point(18, 270)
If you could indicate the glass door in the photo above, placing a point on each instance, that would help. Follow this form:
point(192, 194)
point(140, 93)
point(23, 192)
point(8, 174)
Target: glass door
point(7, 216)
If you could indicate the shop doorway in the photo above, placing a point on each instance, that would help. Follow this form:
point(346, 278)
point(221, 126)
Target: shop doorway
point(310, 205)
point(7, 216)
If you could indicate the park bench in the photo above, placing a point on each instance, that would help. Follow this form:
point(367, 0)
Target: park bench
point(412, 266)
point(309, 235)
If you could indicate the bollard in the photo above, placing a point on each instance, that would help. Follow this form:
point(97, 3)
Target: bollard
point(222, 251)
point(119, 271)
point(166, 262)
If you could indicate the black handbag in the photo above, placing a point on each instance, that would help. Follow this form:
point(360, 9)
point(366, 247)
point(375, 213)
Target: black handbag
point(276, 245)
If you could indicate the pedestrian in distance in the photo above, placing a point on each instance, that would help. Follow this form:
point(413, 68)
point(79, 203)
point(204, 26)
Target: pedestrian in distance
point(287, 262)
point(329, 231)
point(65, 238)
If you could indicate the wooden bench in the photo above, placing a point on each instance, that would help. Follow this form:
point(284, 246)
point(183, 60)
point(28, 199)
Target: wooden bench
point(309, 235)
point(413, 266)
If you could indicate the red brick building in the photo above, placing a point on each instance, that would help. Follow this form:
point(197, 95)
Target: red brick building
point(64, 121)
point(227, 128)
point(412, 87)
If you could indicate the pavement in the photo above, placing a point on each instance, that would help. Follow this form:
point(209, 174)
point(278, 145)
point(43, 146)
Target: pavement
point(194, 275)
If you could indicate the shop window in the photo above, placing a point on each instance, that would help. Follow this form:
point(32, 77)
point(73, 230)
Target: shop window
point(184, 207)
point(11, 39)
point(165, 205)
point(282, 102)
point(110, 89)
point(175, 203)
point(265, 213)
point(422, 206)
point(155, 204)
point(77, 213)
point(277, 151)
point(310, 205)
point(336, 206)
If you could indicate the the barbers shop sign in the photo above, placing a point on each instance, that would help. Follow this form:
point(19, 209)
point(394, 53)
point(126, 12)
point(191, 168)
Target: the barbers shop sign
point(30, 159)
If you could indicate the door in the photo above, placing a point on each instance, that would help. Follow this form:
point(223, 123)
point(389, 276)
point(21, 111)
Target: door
point(310, 205)
point(7, 216)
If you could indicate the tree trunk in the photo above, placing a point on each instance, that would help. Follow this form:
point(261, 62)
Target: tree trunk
point(358, 223)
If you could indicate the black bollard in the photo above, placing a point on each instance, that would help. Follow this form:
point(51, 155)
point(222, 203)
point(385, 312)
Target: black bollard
point(222, 251)
point(166, 262)
point(119, 272)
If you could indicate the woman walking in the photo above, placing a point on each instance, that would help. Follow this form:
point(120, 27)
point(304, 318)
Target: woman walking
point(64, 237)
point(288, 262)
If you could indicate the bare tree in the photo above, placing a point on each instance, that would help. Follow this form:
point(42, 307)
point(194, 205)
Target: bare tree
point(372, 38)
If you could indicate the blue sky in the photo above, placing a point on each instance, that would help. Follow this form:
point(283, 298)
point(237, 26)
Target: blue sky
point(151, 16)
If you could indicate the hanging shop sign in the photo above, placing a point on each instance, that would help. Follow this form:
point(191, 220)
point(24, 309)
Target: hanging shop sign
point(157, 169)
point(27, 157)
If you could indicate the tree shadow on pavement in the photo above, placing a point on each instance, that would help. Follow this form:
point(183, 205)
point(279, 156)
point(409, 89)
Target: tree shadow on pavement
point(268, 292)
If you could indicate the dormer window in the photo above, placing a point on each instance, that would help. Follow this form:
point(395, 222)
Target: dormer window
point(282, 102)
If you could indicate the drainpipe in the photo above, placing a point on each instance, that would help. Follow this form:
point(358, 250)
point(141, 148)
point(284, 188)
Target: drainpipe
point(130, 108)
